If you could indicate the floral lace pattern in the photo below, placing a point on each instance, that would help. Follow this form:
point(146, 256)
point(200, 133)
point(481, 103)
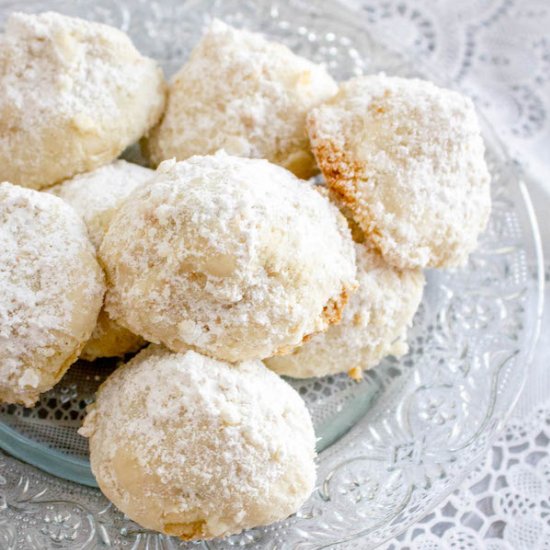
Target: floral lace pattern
point(505, 502)
point(466, 349)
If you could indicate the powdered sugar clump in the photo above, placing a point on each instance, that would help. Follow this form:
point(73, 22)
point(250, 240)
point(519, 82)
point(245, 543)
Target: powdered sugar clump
point(233, 257)
point(407, 158)
point(51, 291)
point(194, 447)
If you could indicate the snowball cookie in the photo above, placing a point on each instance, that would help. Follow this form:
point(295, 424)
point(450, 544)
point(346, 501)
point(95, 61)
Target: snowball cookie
point(246, 95)
point(74, 91)
point(198, 448)
point(407, 158)
point(51, 291)
point(96, 196)
point(109, 339)
point(374, 323)
point(232, 257)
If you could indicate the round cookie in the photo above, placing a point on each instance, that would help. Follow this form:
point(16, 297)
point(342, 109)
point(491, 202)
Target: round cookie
point(96, 196)
point(407, 159)
point(110, 339)
point(235, 258)
point(243, 94)
point(52, 291)
point(190, 446)
point(374, 323)
point(78, 92)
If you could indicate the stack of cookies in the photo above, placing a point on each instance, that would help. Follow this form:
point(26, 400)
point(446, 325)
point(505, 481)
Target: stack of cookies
point(221, 259)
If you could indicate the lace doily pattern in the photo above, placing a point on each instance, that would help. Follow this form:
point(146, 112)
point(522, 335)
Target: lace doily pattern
point(430, 415)
point(505, 502)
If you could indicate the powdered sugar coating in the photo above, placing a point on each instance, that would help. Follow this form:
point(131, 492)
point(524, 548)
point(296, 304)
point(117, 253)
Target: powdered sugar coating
point(232, 257)
point(77, 91)
point(374, 323)
point(407, 158)
point(246, 95)
point(52, 291)
point(96, 196)
point(197, 448)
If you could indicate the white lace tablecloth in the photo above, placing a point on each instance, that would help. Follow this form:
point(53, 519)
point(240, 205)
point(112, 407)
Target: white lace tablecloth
point(498, 51)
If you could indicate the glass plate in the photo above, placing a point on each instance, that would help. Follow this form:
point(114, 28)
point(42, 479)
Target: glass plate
point(391, 446)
